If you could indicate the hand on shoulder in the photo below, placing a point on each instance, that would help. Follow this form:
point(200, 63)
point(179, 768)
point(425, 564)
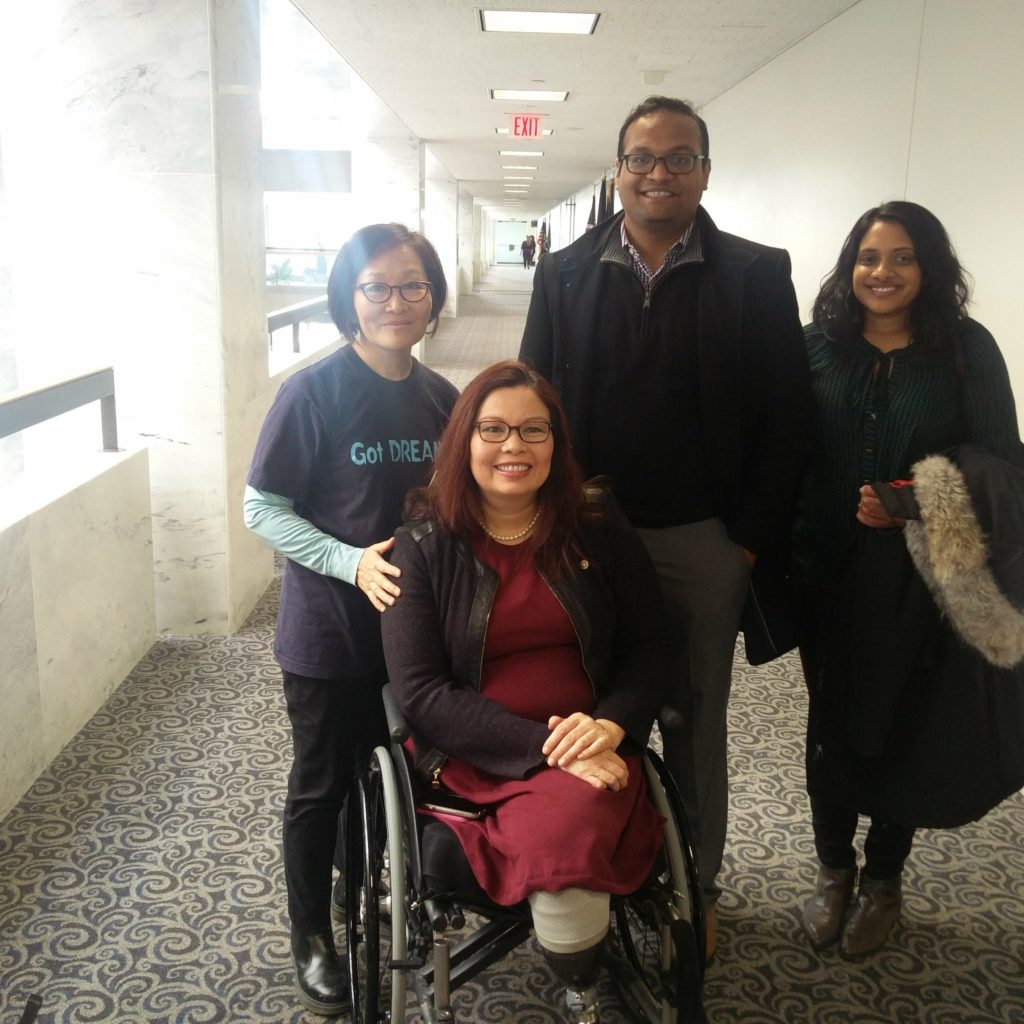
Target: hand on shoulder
point(374, 575)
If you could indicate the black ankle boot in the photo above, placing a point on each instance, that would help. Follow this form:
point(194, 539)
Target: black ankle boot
point(320, 976)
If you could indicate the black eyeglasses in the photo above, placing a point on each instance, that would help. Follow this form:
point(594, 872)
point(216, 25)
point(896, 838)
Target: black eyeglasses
point(496, 431)
point(675, 163)
point(411, 291)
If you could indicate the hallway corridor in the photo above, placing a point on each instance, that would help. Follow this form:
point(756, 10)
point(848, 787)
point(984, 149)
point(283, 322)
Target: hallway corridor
point(141, 880)
point(488, 328)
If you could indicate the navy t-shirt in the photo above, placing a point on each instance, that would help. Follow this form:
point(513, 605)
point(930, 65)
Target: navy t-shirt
point(346, 445)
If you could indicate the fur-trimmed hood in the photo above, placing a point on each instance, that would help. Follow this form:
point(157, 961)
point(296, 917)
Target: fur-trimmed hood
point(967, 542)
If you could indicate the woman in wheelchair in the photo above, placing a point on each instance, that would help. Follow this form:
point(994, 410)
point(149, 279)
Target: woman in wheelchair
point(528, 655)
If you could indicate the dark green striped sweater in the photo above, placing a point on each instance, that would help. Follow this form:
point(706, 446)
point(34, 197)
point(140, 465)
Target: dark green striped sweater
point(876, 415)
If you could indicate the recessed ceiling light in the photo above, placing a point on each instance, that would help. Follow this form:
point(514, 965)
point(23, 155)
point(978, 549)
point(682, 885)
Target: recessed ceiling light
point(528, 95)
point(517, 177)
point(519, 167)
point(543, 131)
point(520, 152)
point(564, 22)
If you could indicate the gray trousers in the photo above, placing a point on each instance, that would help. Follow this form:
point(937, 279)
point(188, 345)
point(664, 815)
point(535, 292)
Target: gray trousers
point(704, 580)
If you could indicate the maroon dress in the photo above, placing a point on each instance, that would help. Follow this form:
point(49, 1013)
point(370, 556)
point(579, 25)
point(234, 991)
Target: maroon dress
point(550, 831)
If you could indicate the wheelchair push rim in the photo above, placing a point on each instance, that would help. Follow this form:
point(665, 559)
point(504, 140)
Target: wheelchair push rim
point(376, 888)
point(658, 958)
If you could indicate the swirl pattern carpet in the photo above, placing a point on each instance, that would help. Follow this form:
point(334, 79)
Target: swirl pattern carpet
point(140, 877)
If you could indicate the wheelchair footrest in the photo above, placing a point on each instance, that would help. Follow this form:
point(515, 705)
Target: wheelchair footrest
point(406, 965)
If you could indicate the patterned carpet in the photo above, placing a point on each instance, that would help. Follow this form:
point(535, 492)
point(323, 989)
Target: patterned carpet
point(141, 876)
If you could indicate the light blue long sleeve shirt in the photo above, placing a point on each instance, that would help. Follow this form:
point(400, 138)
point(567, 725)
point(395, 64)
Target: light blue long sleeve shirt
point(272, 517)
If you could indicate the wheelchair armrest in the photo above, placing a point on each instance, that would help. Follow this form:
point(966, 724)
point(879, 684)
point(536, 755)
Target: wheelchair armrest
point(398, 728)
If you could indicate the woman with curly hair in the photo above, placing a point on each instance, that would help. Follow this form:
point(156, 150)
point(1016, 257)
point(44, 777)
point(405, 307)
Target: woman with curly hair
point(902, 377)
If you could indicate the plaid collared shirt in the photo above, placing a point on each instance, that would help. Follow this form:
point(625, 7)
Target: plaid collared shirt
point(681, 252)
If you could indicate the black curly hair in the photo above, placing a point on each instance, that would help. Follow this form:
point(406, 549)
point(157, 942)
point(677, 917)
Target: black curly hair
point(940, 308)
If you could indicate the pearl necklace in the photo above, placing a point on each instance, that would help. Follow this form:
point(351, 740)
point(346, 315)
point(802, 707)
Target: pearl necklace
point(514, 536)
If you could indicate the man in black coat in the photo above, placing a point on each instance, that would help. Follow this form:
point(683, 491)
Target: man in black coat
point(678, 353)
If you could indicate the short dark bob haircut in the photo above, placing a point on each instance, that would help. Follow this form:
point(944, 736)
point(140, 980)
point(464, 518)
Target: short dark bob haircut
point(937, 315)
point(453, 496)
point(656, 104)
point(364, 247)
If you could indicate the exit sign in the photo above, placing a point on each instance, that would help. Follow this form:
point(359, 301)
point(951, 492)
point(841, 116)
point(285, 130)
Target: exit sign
point(524, 126)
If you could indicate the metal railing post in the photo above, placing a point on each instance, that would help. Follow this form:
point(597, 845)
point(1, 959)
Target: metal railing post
point(295, 315)
point(108, 420)
point(26, 409)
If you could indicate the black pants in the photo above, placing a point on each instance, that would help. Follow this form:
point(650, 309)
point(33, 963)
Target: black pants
point(887, 845)
point(335, 724)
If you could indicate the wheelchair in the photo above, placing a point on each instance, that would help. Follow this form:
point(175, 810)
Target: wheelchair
point(409, 939)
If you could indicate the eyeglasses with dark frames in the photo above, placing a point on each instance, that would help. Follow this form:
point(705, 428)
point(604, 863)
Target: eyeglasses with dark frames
point(675, 163)
point(496, 431)
point(379, 292)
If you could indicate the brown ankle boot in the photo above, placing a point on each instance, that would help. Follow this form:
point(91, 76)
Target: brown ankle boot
point(823, 911)
point(875, 911)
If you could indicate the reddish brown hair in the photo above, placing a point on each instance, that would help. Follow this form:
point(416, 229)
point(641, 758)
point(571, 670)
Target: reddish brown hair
point(453, 496)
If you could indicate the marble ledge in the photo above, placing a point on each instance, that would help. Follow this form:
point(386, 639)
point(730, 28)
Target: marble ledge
point(55, 475)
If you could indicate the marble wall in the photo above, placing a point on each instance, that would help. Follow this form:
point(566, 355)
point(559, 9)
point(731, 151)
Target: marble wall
point(131, 140)
point(77, 612)
point(800, 177)
point(465, 224)
point(131, 155)
point(440, 222)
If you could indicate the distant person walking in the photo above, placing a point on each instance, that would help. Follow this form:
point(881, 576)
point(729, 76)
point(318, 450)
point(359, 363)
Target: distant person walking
point(528, 249)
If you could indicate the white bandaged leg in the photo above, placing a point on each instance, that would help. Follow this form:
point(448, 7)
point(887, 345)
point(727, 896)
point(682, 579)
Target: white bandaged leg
point(570, 921)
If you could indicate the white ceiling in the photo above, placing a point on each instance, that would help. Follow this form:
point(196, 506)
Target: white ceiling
point(431, 64)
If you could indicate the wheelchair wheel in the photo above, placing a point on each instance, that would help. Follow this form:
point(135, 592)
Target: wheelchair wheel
point(376, 895)
point(659, 930)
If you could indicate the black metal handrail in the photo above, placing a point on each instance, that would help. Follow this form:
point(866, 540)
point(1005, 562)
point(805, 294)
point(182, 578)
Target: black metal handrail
point(295, 315)
point(25, 409)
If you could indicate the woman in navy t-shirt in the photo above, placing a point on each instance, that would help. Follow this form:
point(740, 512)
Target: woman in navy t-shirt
point(343, 442)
